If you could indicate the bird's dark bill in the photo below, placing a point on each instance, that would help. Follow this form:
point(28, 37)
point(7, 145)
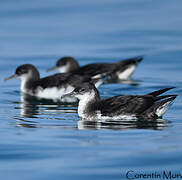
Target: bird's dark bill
point(11, 77)
point(52, 69)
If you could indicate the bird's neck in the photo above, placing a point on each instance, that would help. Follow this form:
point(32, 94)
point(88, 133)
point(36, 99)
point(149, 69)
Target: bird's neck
point(88, 105)
point(26, 82)
point(72, 67)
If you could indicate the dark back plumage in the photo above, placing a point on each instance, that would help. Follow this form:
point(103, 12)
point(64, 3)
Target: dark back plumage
point(140, 105)
point(95, 69)
point(59, 80)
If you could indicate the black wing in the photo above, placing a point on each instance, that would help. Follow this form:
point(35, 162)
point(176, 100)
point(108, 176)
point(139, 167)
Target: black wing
point(59, 80)
point(124, 64)
point(137, 105)
point(125, 105)
point(95, 69)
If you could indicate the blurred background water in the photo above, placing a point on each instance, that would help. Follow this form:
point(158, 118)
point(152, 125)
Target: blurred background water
point(43, 140)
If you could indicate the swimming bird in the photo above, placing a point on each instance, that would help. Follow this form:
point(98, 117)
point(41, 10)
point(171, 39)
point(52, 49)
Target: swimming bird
point(121, 70)
point(92, 107)
point(50, 87)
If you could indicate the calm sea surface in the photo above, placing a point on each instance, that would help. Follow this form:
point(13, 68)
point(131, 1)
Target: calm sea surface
point(43, 140)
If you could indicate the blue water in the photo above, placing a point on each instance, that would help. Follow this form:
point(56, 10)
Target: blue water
point(43, 140)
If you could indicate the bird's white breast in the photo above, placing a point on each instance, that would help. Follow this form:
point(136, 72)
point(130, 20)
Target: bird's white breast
point(53, 92)
point(83, 103)
point(127, 73)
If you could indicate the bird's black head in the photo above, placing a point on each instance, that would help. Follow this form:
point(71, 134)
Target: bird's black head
point(66, 60)
point(82, 89)
point(85, 91)
point(24, 69)
point(65, 64)
point(27, 71)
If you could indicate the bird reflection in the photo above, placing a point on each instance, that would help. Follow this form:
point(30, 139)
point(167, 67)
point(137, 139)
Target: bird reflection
point(29, 106)
point(129, 81)
point(158, 124)
point(32, 106)
point(36, 113)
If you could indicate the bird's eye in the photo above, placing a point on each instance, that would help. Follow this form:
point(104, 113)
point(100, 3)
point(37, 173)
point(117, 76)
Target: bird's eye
point(82, 90)
point(20, 72)
point(23, 71)
point(61, 63)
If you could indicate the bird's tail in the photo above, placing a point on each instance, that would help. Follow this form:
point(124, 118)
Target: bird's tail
point(125, 68)
point(162, 106)
point(130, 61)
point(159, 92)
point(162, 103)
